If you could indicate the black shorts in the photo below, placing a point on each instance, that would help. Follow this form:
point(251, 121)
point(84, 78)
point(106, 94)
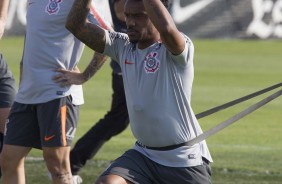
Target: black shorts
point(7, 85)
point(138, 169)
point(50, 124)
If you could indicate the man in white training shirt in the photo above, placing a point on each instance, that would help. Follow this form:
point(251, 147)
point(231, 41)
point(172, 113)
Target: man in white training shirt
point(157, 68)
point(45, 114)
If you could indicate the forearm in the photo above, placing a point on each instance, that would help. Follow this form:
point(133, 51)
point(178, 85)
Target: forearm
point(67, 77)
point(159, 15)
point(3, 15)
point(92, 35)
point(77, 15)
point(4, 4)
point(96, 63)
point(165, 25)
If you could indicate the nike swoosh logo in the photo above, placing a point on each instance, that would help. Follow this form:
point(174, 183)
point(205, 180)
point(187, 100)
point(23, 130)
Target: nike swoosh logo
point(48, 138)
point(128, 62)
point(181, 14)
point(30, 3)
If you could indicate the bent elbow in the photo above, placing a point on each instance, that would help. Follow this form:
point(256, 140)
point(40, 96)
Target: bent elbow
point(174, 41)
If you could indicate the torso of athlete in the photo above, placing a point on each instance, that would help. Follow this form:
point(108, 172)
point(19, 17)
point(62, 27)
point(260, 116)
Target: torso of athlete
point(48, 46)
point(158, 88)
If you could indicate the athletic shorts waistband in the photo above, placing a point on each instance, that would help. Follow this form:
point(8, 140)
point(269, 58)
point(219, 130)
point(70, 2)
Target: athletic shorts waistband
point(165, 148)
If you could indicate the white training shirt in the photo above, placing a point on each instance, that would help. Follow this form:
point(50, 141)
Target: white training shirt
point(158, 88)
point(50, 46)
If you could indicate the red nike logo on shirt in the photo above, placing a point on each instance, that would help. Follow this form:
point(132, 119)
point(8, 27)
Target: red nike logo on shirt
point(128, 62)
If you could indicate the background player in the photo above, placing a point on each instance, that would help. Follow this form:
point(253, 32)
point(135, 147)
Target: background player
point(7, 81)
point(44, 114)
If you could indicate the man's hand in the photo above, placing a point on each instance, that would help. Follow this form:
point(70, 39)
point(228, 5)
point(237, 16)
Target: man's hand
point(68, 78)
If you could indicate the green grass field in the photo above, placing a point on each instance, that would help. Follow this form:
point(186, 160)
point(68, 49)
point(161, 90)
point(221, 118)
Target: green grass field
point(247, 152)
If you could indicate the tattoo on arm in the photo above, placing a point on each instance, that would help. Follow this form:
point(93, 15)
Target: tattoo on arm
point(92, 35)
point(78, 14)
point(95, 64)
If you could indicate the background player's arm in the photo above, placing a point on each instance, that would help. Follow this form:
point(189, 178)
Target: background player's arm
point(67, 78)
point(164, 23)
point(92, 35)
point(118, 7)
point(3, 15)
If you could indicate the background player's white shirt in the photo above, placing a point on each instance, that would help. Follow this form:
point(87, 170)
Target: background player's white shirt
point(50, 46)
point(158, 88)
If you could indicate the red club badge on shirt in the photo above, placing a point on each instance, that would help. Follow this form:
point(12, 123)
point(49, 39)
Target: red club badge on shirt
point(151, 63)
point(53, 6)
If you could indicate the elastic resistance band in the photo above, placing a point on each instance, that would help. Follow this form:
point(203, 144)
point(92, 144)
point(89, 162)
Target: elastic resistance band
point(237, 101)
point(231, 120)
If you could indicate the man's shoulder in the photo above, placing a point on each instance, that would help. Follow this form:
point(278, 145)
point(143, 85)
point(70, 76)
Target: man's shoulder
point(186, 37)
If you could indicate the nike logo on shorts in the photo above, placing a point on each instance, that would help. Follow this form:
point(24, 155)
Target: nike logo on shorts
point(48, 138)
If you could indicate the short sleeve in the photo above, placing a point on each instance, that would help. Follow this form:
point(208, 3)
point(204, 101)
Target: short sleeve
point(187, 54)
point(115, 44)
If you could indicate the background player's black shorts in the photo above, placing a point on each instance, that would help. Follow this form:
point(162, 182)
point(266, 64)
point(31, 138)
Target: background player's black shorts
point(7, 85)
point(50, 124)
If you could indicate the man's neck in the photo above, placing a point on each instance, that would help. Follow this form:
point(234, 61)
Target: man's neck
point(145, 44)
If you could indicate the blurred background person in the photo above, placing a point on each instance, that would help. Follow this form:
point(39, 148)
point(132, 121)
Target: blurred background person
point(7, 81)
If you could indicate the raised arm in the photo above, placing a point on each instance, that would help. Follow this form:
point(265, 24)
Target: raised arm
point(4, 4)
point(92, 35)
point(164, 23)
